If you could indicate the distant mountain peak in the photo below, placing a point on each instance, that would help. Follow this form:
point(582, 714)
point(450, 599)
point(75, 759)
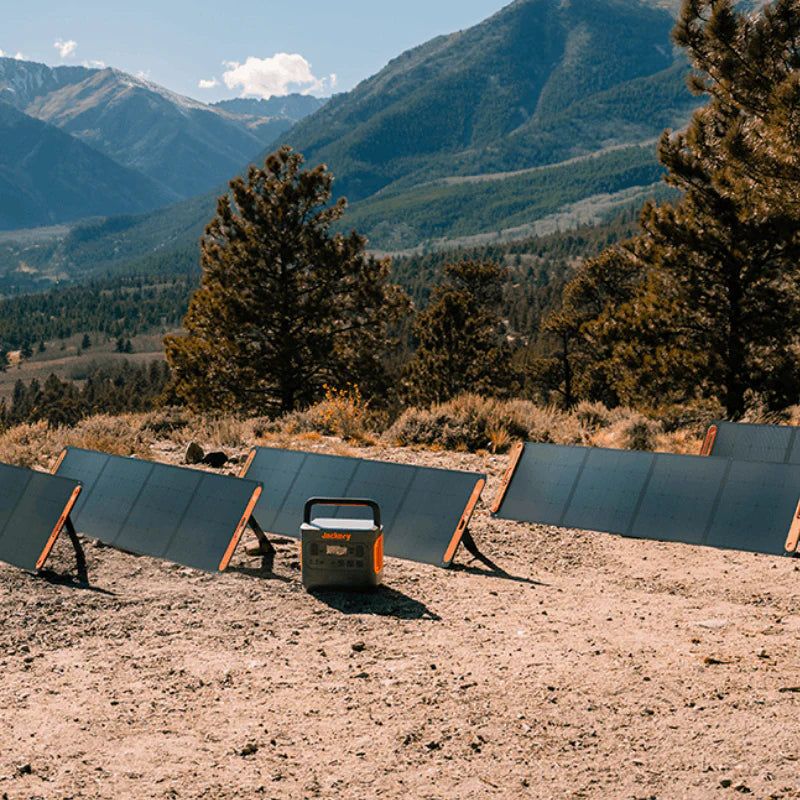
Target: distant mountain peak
point(293, 106)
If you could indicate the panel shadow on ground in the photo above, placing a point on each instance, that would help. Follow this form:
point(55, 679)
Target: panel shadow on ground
point(187, 516)
point(664, 496)
point(33, 508)
point(424, 510)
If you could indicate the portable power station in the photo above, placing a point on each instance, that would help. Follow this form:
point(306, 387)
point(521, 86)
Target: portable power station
point(341, 553)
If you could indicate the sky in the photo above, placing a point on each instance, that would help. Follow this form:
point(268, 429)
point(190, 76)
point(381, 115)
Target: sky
point(213, 50)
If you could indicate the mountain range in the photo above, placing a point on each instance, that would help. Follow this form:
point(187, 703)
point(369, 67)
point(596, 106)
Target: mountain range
point(545, 107)
point(164, 147)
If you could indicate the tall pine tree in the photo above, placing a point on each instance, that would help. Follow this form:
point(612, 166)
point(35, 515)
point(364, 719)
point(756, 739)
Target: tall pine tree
point(713, 310)
point(285, 306)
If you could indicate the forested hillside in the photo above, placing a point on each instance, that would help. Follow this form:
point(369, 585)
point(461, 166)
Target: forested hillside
point(537, 83)
point(541, 84)
point(47, 176)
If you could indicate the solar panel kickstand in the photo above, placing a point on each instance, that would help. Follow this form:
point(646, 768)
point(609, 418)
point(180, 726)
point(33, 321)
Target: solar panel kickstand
point(472, 547)
point(265, 547)
point(80, 556)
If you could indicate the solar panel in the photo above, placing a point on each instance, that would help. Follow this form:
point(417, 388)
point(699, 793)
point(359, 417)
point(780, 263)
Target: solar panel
point(750, 442)
point(187, 516)
point(681, 498)
point(424, 510)
point(34, 507)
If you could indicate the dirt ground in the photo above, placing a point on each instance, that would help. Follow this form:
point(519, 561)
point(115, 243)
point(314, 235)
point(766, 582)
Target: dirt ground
point(586, 666)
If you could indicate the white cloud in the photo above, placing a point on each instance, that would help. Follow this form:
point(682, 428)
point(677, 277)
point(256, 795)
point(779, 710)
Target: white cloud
point(95, 64)
point(204, 84)
point(18, 55)
point(65, 48)
point(264, 77)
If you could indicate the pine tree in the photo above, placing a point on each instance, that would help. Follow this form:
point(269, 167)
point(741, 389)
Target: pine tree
point(461, 339)
point(714, 307)
point(285, 306)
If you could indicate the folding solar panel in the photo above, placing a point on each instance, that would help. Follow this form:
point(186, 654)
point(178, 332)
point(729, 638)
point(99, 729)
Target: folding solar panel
point(750, 442)
point(712, 501)
point(425, 511)
point(34, 507)
point(187, 516)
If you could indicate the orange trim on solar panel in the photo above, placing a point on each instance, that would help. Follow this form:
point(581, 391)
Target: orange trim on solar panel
point(240, 528)
point(59, 525)
point(708, 442)
point(464, 521)
point(793, 539)
point(377, 554)
point(58, 463)
point(516, 454)
point(248, 463)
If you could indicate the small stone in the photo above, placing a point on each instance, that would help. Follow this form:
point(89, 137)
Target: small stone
point(194, 453)
point(358, 647)
point(216, 459)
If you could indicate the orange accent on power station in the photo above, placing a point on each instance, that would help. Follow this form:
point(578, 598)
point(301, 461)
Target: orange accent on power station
point(793, 539)
point(516, 454)
point(377, 554)
point(248, 463)
point(708, 442)
point(464, 521)
point(58, 463)
point(240, 529)
point(59, 525)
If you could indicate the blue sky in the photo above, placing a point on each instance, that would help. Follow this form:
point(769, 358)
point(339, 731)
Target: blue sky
point(212, 49)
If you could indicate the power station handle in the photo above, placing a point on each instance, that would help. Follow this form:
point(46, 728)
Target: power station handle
point(342, 501)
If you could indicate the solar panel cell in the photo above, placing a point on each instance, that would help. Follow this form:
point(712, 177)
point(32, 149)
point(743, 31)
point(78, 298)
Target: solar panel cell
point(679, 500)
point(608, 490)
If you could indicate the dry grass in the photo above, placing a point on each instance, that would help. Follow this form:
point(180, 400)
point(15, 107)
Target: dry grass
point(37, 445)
point(467, 424)
point(473, 423)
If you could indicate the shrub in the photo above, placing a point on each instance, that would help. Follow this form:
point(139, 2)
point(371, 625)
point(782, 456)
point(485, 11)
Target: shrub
point(634, 431)
point(120, 436)
point(342, 412)
point(470, 422)
point(167, 420)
